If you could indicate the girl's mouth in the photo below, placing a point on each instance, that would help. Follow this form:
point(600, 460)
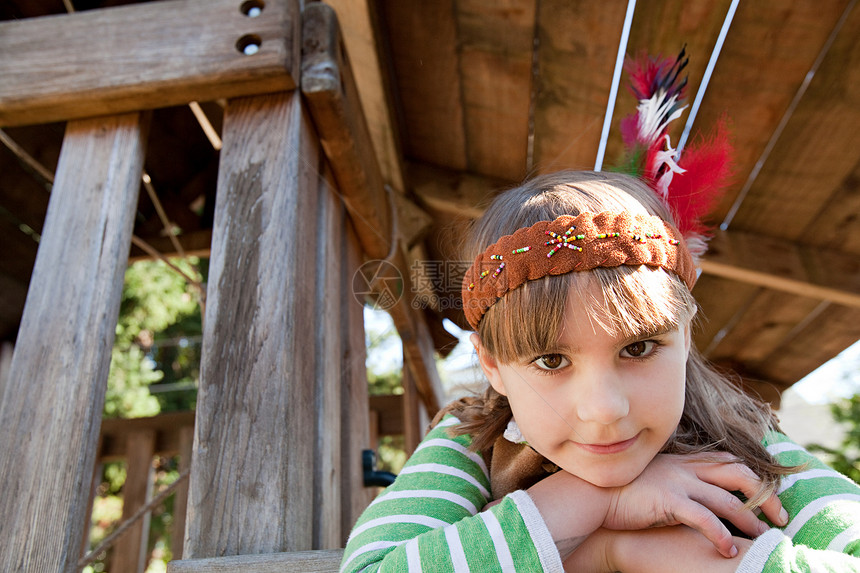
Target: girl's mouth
point(613, 448)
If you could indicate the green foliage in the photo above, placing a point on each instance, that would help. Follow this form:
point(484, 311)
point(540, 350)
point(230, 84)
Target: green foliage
point(157, 305)
point(846, 458)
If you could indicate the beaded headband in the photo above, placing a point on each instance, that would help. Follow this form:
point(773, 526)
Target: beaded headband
point(569, 244)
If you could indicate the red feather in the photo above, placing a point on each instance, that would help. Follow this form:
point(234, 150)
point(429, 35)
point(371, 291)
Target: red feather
point(708, 172)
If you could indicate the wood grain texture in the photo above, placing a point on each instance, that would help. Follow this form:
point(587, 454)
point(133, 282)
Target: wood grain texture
point(359, 21)
point(139, 57)
point(328, 85)
point(252, 472)
point(355, 427)
point(576, 61)
point(180, 502)
point(330, 338)
point(131, 551)
point(423, 38)
point(168, 428)
point(297, 562)
point(496, 43)
point(52, 405)
point(782, 201)
point(768, 52)
point(784, 266)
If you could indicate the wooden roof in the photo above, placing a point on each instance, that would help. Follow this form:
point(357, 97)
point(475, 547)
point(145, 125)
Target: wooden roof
point(464, 97)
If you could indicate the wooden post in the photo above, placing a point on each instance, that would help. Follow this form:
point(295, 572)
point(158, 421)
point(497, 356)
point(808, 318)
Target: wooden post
point(130, 550)
point(177, 536)
point(252, 474)
point(52, 406)
point(357, 427)
point(6, 351)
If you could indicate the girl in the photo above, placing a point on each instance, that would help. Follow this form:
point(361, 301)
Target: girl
point(603, 442)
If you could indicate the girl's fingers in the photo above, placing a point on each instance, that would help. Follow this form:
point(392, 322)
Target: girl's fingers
point(727, 506)
point(737, 477)
point(704, 521)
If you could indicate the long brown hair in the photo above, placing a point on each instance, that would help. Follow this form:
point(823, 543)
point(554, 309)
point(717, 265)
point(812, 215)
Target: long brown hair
point(717, 416)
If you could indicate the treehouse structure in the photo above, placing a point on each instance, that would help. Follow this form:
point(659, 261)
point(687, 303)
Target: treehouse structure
point(324, 153)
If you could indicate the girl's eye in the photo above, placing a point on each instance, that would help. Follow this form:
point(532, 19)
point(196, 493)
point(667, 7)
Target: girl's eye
point(639, 349)
point(551, 362)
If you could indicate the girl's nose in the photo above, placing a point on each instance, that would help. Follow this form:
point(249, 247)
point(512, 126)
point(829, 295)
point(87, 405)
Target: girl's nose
point(602, 400)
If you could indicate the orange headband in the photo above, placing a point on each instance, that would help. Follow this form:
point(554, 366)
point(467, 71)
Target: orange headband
point(569, 244)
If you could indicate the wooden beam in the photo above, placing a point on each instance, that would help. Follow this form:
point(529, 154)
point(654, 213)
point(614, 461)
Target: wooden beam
point(355, 426)
point(180, 502)
point(130, 551)
point(52, 406)
point(779, 265)
point(329, 87)
point(359, 23)
point(251, 485)
point(453, 193)
point(156, 54)
point(298, 562)
point(167, 427)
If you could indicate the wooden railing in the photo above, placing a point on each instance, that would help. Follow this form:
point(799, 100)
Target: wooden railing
point(282, 413)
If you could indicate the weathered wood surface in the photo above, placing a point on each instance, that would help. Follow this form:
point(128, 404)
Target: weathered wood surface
point(252, 474)
point(168, 430)
point(360, 23)
point(131, 550)
point(495, 48)
point(144, 56)
point(329, 87)
point(52, 404)
point(758, 74)
point(296, 562)
point(781, 265)
point(330, 336)
point(180, 501)
point(436, 124)
point(355, 424)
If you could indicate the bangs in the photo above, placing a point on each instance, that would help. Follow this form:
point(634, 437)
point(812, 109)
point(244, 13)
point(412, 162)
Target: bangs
point(630, 301)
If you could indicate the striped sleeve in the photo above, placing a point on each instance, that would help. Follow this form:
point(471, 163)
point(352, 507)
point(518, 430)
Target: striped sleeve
point(823, 533)
point(430, 519)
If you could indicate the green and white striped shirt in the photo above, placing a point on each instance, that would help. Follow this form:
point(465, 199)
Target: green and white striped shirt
point(430, 519)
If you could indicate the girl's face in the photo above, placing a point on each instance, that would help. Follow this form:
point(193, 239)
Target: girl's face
point(600, 406)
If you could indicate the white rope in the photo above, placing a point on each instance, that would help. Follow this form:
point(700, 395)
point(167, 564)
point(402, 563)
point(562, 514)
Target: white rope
point(712, 63)
point(616, 79)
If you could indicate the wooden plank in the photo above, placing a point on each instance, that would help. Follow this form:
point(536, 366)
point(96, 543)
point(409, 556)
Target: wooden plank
point(63, 358)
point(817, 150)
point(167, 427)
point(155, 54)
point(777, 264)
point(768, 52)
point(298, 562)
point(389, 409)
point(6, 351)
point(496, 43)
point(576, 62)
point(423, 48)
point(329, 340)
point(251, 488)
point(329, 88)
point(359, 22)
point(835, 226)
point(834, 330)
point(763, 328)
point(722, 302)
point(355, 428)
point(453, 193)
point(130, 551)
point(180, 501)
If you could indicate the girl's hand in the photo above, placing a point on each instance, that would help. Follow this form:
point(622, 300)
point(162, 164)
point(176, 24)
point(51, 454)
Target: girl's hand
point(688, 490)
point(658, 550)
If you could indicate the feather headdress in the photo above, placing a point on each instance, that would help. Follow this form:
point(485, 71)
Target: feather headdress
point(691, 184)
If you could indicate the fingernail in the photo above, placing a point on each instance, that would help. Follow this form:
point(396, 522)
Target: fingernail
point(733, 551)
point(783, 517)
